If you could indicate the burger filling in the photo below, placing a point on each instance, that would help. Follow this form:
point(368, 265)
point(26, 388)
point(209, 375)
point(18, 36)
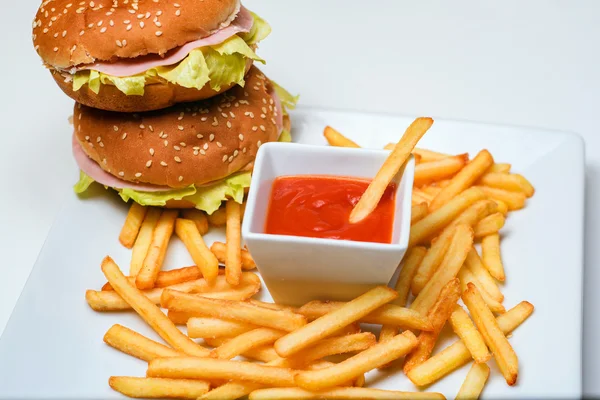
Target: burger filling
point(191, 66)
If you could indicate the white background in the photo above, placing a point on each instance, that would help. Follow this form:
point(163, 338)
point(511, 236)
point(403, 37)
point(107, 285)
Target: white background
point(533, 63)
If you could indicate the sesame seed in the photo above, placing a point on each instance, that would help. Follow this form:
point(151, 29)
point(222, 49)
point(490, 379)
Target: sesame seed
point(262, 128)
point(224, 158)
point(235, 153)
point(138, 174)
point(104, 161)
point(64, 33)
point(124, 136)
point(228, 124)
point(99, 23)
point(124, 42)
point(258, 144)
point(205, 146)
point(92, 4)
point(180, 127)
point(56, 49)
point(87, 138)
point(177, 148)
point(157, 23)
point(46, 30)
point(121, 173)
point(142, 126)
point(236, 104)
point(140, 16)
point(178, 13)
point(264, 100)
point(231, 114)
point(255, 88)
point(166, 142)
point(241, 137)
point(224, 115)
point(215, 122)
point(119, 44)
point(199, 136)
point(245, 101)
point(101, 144)
point(273, 121)
point(126, 21)
point(219, 144)
point(202, 152)
point(148, 14)
point(103, 29)
point(148, 163)
point(180, 178)
point(181, 114)
point(255, 128)
point(176, 5)
point(264, 109)
point(244, 150)
point(111, 22)
point(251, 114)
point(177, 159)
point(128, 27)
point(211, 137)
point(230, 158)
point(142, 24)
point(182, 144)
point(159, 13)
point(263, 116)
point(150, 128)
point(151, 151)
point(98, 139)
point(55, 35)
point(195, 152)
point(270, 101)
point(80, 33)
point(203, 119)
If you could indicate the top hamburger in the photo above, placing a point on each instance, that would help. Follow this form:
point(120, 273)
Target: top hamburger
point(140, 55)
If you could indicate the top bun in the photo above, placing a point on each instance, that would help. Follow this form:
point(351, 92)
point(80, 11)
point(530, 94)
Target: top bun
point(72, 32)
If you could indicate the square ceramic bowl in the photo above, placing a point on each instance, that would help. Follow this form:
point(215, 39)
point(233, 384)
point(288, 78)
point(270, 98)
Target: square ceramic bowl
point(299, 269)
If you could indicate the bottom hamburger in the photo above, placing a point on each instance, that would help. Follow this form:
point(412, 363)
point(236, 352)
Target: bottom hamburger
point(189, 155)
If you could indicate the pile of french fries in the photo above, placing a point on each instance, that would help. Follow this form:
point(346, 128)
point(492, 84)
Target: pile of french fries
point(236, 346)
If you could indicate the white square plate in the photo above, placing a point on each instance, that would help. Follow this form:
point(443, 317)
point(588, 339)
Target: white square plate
point(52, 346)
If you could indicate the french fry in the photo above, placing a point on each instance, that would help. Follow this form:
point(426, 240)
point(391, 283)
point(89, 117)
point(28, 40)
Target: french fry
point(499, 168)
point(435, 221)
point(474, 382)
point(199, 218)
point(431, 190)
point(206, 261)
point(438, 170)
point(136, 345)
point(169, 278)
point(212, 368)
point(474, 264)
point(389, 314)
point(472, 215)
point(348, 393)
point(489, 225)
point(335, 345)
point(375, 356)
point(421, 194)
point(490, 250)
point(466, 277)
point(505, 356)
point(335, 138)
point(429, 156)
point(219, 250)
point(465, 329)
point(461, 244)
point(264, 353)
point(158, 388)
point(232, 310)
point(409, 266)
point(233, 255)
point(389, 169)
point(430, 263)
point(513, 200)
point(217, 218)
point(418, 212)
point(272, 306)
point(158, 249)
point(204, 327)
point(246, 341)
point(463, 179)
point(132, 224)
point(509, 182)
point(326, 325)
point(149, 312)
point(418, 198)
point(456, 355)
point(438, 315)
point(502, 207)
point(143, 240)
point(112, 301)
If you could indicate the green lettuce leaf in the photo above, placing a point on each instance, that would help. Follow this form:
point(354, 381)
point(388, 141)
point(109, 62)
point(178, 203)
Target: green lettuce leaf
point(286, 98)
point(206, 198)
point(285, 136)
point(83, 184)
point(220, 64)
point(260, 30)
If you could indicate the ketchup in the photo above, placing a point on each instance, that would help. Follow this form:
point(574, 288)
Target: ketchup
point(319, 207)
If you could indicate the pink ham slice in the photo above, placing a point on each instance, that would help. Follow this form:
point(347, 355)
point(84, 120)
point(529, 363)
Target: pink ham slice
point(93, 170)
point(128, 67)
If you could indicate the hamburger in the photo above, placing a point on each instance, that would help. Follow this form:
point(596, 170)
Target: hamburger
point(188, 155)
point(140, 55)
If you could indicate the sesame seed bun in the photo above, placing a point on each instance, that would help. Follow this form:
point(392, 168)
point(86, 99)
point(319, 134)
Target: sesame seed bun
point(157, 95)
point(191, 143)
point(71, 32)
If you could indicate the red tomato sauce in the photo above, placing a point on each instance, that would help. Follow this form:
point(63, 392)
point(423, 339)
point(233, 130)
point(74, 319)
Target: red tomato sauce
point(319, 207)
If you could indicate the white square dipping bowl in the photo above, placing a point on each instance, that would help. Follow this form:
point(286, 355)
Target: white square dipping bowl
point(300, 269)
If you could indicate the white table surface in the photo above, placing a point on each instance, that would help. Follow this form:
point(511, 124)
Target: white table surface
point(532, 63)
